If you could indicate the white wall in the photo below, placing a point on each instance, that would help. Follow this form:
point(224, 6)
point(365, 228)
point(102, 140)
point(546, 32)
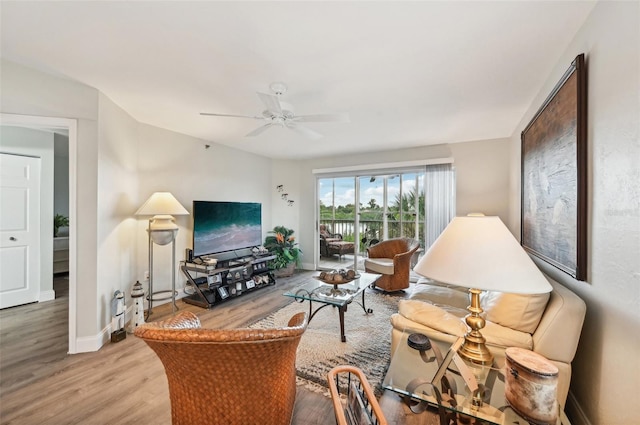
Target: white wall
point(482, 170)
point(182, 165)
point(606, 371)
point(482, 177)
point(286, 173)
point(120, 162)
point(37, 143)
point(118, 197)
point(29, 92)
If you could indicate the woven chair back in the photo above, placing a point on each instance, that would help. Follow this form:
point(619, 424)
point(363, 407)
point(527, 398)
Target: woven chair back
point(227, 376)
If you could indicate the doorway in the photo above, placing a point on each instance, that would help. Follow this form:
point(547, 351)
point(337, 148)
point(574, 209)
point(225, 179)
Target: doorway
point(69, 126)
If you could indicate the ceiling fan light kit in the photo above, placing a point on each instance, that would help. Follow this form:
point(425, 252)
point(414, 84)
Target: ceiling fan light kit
point(278, 112)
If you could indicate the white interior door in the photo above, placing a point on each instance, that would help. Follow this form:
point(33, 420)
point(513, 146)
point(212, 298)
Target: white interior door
point(19, 230)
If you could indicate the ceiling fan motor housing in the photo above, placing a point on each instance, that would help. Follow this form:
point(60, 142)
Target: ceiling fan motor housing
point(287, 113)
point(278, 88)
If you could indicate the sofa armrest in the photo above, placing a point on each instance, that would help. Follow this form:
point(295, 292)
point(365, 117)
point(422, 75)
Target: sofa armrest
point(558, 333)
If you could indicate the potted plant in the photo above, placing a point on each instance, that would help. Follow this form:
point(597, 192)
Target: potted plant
point(281, 242)
point(59, 221)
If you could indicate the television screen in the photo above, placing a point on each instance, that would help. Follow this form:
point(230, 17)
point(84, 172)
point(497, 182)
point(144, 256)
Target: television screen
point(225, 226)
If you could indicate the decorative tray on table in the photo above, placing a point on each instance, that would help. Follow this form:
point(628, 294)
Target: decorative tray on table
point(337, 277)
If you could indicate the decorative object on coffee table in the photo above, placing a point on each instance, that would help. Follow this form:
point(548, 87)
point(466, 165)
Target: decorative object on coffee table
point(283, 245)
point(480, 253)
point(337, 277)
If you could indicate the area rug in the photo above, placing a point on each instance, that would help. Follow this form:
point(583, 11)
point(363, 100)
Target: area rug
point(368, 339)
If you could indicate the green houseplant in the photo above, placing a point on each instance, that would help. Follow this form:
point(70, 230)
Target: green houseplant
point(59, 221)
point(282, 243)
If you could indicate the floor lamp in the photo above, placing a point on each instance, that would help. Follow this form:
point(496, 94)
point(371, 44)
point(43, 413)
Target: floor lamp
point(162, 230)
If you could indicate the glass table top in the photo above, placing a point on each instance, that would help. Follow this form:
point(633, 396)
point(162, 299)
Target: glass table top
point(339, 294)
point(411, 371)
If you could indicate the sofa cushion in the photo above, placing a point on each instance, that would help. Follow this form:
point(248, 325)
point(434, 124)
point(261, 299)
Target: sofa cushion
point(432, 316)
point(450, 321)
point(379, 265)
point(515, 311)
point(440, 294)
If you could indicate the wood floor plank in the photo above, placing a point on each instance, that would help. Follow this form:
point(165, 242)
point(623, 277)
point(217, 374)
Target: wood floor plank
point(124, 383)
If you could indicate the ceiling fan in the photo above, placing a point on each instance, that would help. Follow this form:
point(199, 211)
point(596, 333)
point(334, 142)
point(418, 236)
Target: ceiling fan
point(278, 112)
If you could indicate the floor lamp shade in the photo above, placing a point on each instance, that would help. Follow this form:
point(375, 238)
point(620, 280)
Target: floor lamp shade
point(162, 206)
point(480, 253)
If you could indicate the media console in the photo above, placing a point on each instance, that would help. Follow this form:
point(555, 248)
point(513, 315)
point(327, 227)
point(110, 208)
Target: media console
point(227, 279)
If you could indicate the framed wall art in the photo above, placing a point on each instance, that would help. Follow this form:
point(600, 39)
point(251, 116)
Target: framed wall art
point(554, 176)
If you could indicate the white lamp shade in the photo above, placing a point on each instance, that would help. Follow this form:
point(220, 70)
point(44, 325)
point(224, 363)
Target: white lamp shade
point(480, 252)
point(162, 203)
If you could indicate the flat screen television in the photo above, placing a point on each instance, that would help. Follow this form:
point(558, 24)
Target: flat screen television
point(225, 226)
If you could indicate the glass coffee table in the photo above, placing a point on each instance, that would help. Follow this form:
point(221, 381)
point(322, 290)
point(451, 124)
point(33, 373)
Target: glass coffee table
point(411, 374)
point(336, 295)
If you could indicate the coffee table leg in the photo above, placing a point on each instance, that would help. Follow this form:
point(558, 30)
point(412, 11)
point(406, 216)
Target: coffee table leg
point(366, 310)
point(343, 338)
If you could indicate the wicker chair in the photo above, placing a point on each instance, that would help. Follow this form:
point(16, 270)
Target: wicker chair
point(227, 376)
point(392, 259)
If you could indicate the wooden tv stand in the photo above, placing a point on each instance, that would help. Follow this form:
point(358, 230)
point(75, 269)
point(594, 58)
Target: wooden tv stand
point(228, 279)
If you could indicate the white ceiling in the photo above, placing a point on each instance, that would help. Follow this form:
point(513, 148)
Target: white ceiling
point(408, 73)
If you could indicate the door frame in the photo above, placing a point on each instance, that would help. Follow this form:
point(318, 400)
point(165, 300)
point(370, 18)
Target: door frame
point(71, 126)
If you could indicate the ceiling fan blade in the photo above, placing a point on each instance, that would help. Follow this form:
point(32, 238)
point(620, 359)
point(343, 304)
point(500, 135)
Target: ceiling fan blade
point(323, 118)
point(229, 115)
point(305, 131)
point(259, 130)
point(271, 102)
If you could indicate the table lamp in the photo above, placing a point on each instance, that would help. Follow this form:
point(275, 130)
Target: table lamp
point(479, 252)
point(162, 230)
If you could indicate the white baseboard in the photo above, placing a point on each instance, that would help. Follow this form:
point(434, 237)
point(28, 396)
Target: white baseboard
point(576, 412)
point(88, 344)
point(307, 266)
point(49, 295)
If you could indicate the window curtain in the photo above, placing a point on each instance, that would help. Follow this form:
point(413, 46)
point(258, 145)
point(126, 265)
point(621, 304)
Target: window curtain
point(440, 195)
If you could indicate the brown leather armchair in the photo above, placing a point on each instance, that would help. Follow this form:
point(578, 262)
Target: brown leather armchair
point(227, 376)
point(392, 259)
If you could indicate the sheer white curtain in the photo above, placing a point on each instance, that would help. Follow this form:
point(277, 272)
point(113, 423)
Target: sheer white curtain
point(440, 199)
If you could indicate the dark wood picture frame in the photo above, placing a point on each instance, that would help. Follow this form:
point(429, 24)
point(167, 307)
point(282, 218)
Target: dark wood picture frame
point(554, 176)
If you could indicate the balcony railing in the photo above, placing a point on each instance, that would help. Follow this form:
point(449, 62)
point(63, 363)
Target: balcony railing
point(373, 229)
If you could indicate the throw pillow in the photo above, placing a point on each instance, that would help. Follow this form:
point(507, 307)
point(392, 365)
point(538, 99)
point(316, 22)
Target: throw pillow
point(516, 311)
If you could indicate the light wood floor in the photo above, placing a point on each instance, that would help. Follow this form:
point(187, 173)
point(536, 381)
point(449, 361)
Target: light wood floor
point(124, 383)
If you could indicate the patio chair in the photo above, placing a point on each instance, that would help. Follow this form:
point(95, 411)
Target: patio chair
point(326, 237)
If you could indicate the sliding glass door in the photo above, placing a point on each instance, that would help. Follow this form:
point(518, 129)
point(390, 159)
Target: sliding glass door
point(337, 227)
point(387, 206)
point(392, 206)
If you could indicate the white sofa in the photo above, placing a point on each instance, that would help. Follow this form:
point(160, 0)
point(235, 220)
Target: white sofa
point(549, 324)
